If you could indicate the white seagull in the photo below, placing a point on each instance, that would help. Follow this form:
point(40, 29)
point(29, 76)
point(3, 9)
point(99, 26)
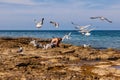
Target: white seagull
point(86, 31)
point(20, 50)
point(101, 18)
point(55, 24)
point(39, 23)
point(35, 44)
point(67, 36)
point(81, 27)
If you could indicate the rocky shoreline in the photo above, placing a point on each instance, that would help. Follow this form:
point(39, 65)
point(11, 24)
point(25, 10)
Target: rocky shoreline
point(67, 62)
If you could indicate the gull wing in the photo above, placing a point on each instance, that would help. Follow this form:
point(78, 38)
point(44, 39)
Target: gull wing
point(63, 38)
point(82, 27)
point(108, 20)
point(52, 22)
point(42, 20)
point(35, 21)
point(94, 17)
point(77, 27)
point(91, 29)
point(55, 24)
point(86, 26)
point(69, 34)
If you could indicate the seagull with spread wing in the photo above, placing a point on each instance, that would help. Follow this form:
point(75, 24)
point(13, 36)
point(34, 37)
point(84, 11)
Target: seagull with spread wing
point(55, 24)
point(67, 36)
point(86, 31)
point(81, 27)
point(101, 18)
point(39, 23)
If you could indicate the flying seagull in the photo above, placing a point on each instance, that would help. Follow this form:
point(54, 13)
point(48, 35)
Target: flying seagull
point(86, 31)
point(81, 27)
point(55, 24)
point(101, 18)
point(39, 23)
point(67, 36)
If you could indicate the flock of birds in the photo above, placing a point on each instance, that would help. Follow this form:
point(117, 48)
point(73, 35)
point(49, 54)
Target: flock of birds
point(40, 23)
point(85, 30)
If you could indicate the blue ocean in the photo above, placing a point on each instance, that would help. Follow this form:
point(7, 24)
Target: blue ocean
point(98, 38)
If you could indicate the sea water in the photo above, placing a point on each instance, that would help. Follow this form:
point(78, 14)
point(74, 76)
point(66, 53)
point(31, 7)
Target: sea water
point(98, 38)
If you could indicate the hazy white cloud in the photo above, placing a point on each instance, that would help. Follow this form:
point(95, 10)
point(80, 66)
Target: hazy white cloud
point(24, 2)
point(116, 6)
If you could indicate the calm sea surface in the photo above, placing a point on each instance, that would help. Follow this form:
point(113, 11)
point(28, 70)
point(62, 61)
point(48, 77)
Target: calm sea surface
point(97, 39)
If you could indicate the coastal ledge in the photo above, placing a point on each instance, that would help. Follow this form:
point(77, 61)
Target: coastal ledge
point(67, 62)
point(84, 53)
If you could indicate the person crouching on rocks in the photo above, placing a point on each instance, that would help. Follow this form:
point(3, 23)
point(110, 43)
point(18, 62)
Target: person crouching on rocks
point(55, 42)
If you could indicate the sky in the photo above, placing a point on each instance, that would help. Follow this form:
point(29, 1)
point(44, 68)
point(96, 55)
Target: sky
point(20, 14)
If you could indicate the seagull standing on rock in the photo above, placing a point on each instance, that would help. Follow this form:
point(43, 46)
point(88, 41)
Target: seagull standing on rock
point(35, 44)
point(20, 50)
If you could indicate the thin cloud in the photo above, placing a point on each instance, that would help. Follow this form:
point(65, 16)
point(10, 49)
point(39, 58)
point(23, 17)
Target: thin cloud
point(114, 7)
point(22, 2)
point(16, 1)
point(99, 4)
